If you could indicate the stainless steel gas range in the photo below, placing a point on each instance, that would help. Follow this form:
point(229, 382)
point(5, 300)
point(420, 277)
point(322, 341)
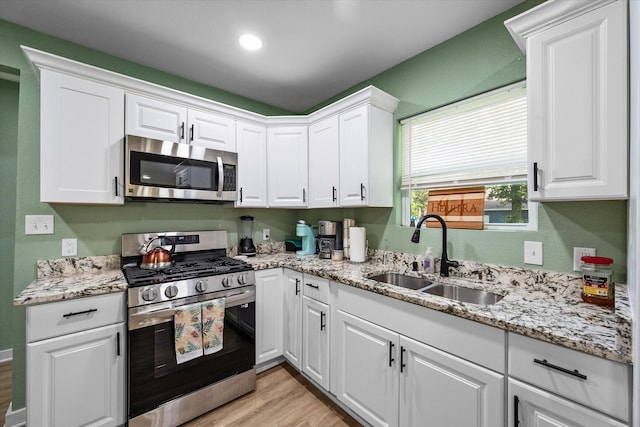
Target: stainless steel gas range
point(170, 380)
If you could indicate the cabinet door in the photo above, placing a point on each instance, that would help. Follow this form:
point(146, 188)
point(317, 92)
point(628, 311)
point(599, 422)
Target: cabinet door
point(211, 131)
point(252, 165)
point(77, 379)
point(81, 140)
point(367, 360)
point(354, 157)
point(155, 119)
point(324, 166)
point(292, 318)
point(268, 315)
point(315, 340)
point(577, 86)
point(287, 166)
point(439, 389)
point(531, 406)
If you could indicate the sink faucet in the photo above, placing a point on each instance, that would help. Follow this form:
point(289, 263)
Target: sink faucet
point(445, 262)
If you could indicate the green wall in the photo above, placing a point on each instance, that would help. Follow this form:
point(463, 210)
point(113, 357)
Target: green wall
point(480, 59)
point(8, 165)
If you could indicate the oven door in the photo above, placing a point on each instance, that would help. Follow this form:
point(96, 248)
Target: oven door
point(155, 377)
point(168, 170)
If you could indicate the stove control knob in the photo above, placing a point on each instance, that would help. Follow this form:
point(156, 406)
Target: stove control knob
point(201, 286)
point(227, 281)
point(149, 294)
point(242, 279)
point(171, 291)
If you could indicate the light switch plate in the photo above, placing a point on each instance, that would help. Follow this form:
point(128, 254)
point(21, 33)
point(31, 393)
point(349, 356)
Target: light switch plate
point(38, 224)
point(533, 253)
point(266, 234)
point(579, 253)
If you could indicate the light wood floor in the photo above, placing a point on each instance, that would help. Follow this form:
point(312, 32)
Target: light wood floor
point(5, 389)
point(283, 397)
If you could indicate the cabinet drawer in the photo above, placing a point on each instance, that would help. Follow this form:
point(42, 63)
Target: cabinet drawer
point(316, 288)
point(594, 382)
point(66, 317)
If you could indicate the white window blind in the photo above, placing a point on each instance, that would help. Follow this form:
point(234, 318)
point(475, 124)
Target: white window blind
point(480, 140)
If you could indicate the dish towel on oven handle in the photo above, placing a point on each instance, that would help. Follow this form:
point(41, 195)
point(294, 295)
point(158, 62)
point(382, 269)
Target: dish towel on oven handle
point(187, 322)
point(212, 325)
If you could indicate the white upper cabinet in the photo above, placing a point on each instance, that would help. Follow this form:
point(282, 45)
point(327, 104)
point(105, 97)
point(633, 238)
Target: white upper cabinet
point(252, 165)
point(287, 166)
point(81, 140)
point(324, 163)
point(158, 119)
point(366, 157)
point(577, 99)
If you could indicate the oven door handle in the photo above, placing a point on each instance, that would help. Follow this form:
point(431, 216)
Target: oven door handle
point(237, 298)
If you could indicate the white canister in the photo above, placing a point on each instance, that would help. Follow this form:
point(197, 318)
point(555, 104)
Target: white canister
point(358, 242)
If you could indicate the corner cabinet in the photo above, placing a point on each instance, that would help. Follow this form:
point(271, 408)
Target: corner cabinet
point(366, 157)
point(76, 351)
point(252, 165)
point(80, 120)
point(287, 173)
point(577, 98)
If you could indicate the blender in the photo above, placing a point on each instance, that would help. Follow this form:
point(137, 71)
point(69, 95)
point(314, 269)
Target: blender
point(246, 237)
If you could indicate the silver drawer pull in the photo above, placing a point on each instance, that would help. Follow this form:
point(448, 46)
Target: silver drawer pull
point(575, 372)
point(77, 313)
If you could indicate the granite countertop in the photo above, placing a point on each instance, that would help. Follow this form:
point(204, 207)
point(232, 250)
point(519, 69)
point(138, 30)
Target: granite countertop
point(537, 304)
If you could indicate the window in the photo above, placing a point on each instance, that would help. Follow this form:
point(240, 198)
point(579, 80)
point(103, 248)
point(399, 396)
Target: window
point(478, 141)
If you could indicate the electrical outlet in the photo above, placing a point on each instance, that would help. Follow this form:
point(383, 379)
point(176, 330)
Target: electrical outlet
point(533, 253)
point(266, 234)
point(69, 247)
point(579, 253)
point(38, 224)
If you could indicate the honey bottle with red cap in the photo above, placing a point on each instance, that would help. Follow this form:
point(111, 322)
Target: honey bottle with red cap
point(597, 287)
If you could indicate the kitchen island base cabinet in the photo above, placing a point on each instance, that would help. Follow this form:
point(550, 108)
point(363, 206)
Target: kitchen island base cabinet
point(77, 379)
point(531, 406)
point(268, 315)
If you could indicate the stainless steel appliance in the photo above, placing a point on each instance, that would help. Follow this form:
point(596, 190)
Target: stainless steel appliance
point(327, 231)
point(161, 391)
point(165, 170)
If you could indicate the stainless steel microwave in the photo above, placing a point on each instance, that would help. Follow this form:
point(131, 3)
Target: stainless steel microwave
point(166, 170)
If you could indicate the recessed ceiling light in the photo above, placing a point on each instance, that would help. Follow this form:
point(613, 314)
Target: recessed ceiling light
point(250, 42)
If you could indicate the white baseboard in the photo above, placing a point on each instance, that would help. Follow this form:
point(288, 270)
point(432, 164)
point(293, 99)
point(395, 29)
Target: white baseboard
point(15, 418)
point(6, 355)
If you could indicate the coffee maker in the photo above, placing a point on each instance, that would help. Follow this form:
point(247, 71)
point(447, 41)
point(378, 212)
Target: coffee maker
point(327, 231)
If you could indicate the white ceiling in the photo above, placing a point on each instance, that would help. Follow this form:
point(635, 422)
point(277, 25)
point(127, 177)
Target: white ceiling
point(312, 49)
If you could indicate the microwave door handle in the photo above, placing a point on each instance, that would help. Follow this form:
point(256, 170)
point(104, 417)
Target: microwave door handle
point(220, 176)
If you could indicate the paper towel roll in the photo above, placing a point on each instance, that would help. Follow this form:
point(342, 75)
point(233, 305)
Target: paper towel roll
point(358, 249)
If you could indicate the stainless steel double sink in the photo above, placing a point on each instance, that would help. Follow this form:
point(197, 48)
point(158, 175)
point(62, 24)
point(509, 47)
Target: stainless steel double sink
point(446, 290)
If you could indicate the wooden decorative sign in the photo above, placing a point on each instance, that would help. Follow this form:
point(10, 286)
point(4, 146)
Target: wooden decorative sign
point(459, 207)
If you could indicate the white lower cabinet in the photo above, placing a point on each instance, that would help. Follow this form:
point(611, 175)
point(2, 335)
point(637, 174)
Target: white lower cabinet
point(292, 317)
point(77, 377)
point(268, 315)
point(531, 406)
point(391, 380)
point(315, 340)
point(551, 385)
